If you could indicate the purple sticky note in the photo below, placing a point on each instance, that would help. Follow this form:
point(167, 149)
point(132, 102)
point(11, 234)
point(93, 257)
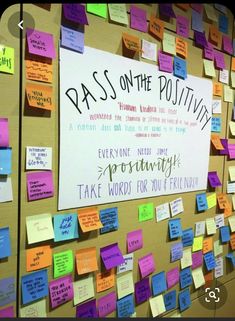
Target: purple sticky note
point(146, 265)
point(231, 151)
point(111, 256)
point(165, 62)
point(138, 19)
point(61, 290)
point(4, 132)
point(134, 241)
point(197, 6)
point(72, 39)
point(7, 312)
point(75, 12)
point(166, 10)
point(182, 26)
point(209, 51)
point(176, 251)
point(200, 39)
point(7, 291)
point(142, 291)
point(107, 304)
point(40, 185)
point(197, 24)
point(219, 60)
point(214, 179)
point(40, 43)
point(227, 45)
point(172, 277)
point(197, 259)
point(224, 142)
point(87, 310)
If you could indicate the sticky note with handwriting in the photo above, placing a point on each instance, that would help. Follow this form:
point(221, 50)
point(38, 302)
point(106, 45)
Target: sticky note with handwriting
point(157, 305)
point(197, 243)
point(197, 23)
point(184, 300)
point(87, 310)
point(170, 300)
point(198, 277)
point(39, 158)
point(216, 124)
point(187, 237)
point(105, 280)
point(37, 310)
point(156, 27)
point(138, 18)
point(40, 185)
point(200, 39)
point(7, 59)
point(39, 71)
point(5, 242)
point(5, 161)
point(75, 12)
point(134, 240)
point(216, 105)
point(186, 259)
point(149, 50)
point(176, 251)
point(211, 200)
point(219, 267)
point(107, 304)
point(8, 291)
point(208, 52)
point(109, 219)
point(209, 67)
point(214, 179)
point(83, 290)
point(38, 258)
point(159, 283)
point(125, 285)
point(146, 265)
point(6, 194)
point(86, 260)
point(40, 43)
point(219, 59)
point(63, 263)
point(72, 39)
point(181, 47)
point(172, 277)
point(201, 202)
point(175, 229)
point(125, 306)
point(182, 26)
point(209, 260)
point(4, 132)
point(131, 42)
point(39, 96)
point(180, 68)
point(39, 228)
point(142, 291)
point(185, 278)
point(162, 212)
point(65, 226)
point(127, 265)
point(61, 291)
point(168, 44)
point(111, 256)
point(207, 245)
point(34, 286)
point(146, 212)
point(176, 206)
point(165, 62)
point(118, 13)
point(224, 234)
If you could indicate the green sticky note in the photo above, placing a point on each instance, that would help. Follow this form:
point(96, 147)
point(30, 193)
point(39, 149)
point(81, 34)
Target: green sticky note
point(146, 212)
point(6, 59)
point(99, 9)
point(63, 263)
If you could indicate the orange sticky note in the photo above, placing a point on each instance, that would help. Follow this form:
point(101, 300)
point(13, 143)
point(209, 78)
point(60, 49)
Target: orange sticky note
point(216, 142)
point(228, 210)
point(89, 219)
point(39, 71)
point(183, 6)
point(38, 258)
point(232, 241)
point(86, 260)
point(208, 279)
point(39, 96)
point(223, 201)
point(217, 89)
point(131, 42)
point(207, 245)
point(214, 34)
point(156, 27)
point(105, 280)
point(181, 48)
point(233, 64)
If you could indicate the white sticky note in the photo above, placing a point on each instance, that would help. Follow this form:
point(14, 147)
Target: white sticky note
point(209, 67)
point(186, 259)
point(125, 285)
point(223, 76)
point(39, 228)
point(200, 228)
point(127, 265)
point(233, 78)
point(218, 248)
point(118, 12)
point(228, 94)
point(83, 289)
point(157, 305)
point(233, 201)
point(162, 212)
point(149, 50)
point(221, 8)
point(219, 267)
point(216, 106)
point(230, 187)
point(39, 158)
point(219, 220)
point(210, 226)
point(232, 127)
point(198, 277)
point(34, 310)
point(231, 220)
point(168, 44)
point(176, 206)
point(5, 189)
point(231, 170)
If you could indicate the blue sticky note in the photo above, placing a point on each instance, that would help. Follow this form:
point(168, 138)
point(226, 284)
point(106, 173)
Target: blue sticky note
point(185, 278)
point(109, 219)
point(224, 234)
point(5, 243)
point(180, 68)
point(175, 229)
point(223, 23)
point(72, 39)
point(231, 257)
point(197, 24)
point(201, 202)
point(170, 300)
point(187, 237)
point(5, 161)
point(34, 286)
point(216, 124)
point(65, 227)
point(184, 299)
point(209, 260)
point(125, 306)
point(159, 283)
point(176, 251)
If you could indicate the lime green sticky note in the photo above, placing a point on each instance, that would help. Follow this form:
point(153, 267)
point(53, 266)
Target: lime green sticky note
point(211, 200)
point(197, 243)
point(6, 59)
point(99, 9)
point(63, 263)
point(146, 212)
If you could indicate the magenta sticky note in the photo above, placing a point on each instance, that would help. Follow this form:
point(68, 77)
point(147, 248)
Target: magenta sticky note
point(214, 179)
point(231, 151)
point(4, 132)
point(209, 51)
point(219, 60)
point(138, 19)
point(172, 277)
point(40, 43)
point(165, 62)
point(197, 259)
point(75, 12)
point(197, 6)
point(134, 241)
point(61, 290)
point(40, 185)
point(7, 312)
point(227, 45)
point(146, 265)
point(111, 256)
point(107, 304)
point(182, 26)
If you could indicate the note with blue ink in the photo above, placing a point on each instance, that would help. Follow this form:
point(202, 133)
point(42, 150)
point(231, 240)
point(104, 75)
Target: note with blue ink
point(170, 300)
point(7, 291)
point(65, 227)
point(72, 39)
point(159, 283)
point(180, 68)
point(5, 161)
point(125, 306)
point(187, 237)
point(109, 219)
point(201, 202)
point(185, 278)
point(175, 229)
point(5, 242)
point(176, 251)
point(216, 124)
point(34, 286)
point(224, 234)
point(184, 299)
point(223, 23)
point(209, 260)
point(197, 24)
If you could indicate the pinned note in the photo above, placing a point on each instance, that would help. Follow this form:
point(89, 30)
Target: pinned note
point(182, 26)
point(149, 50)
point(8, 292)
point(219, 268)
point(175, 229)
point(180, 68)
point(87, 310)
point(72, 39)
point(197, 23)
point(165, 62)
point(197, 243)
point(181, 47)
point(5, 161)
point(138, 18)
point(176, 251)
point(162, 212)
point(216, 106)
point(224, 234)
point(39, 158)
point(127, 265)
point(209, 260)
point(134, 241)
point(157, 305)
point(105, 280)
point(223, 76)
point(118, 13)
point(156, 27)
point(125, 306)
point(37, 310)
point(75, 12)
point(63, 263)
point(223, 23)
point(111, 256)
point(170, 300)
point(61, 291)
point(200, 228)
point(39, 71)
point(5, 242)
point(65, 227)
point(39, 228)
point(232, 223)
point(107, 304)
point(210, 226)
point(39, 96)
point(166, 10)
point(38, 258)
point(219, 59)
point(83, 290)
point(186, 259)
point(214, 35)
point(146, 265)
point(176, 206)
point(214, 179)
point(172, 277)
point(4, 132)
point(201, 202)
point(7, 312)
point(7, 57)
point(86, 260)
point(159, 283)
point(207, 245)
point(228, 94)
point(89, 219)
point(146, 212)
point(142, 291)
point(168, 44)
point(109, 219)
point(209, 67)
point(198, 277)
point(40, 43)
point(98, 9)
point(34, 286)
point(187, 237)
point(185, 278)
point(125, 285)
point(5, 189)
point(219, 220)
point(218, 248)
point(184, 300)
point(40, 185)
point(216, 124)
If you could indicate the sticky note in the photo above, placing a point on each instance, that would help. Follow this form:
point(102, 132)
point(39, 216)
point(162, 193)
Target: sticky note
point(221, 8)
point(5, 189)
point(214, 179)
point(125, 306)
point(216, 124)
point(86, 260)
point(207, 245)
point(134, 240)
point(176, 206)
point(39, 158)
point(149, 50)
point(233, 64)
point(40, 43)
point(75, 12)
point(5, 161)
point(208, 52)
point(218, 248)
point(228, 94)
point(4, 132)
point(176, 251)
point(34, 286)
point(180, 68)
point(61, 290)
point(166, 10)
point(227, 45)
point(186, 259)
point(127, 265)
point(219, 220)
point(217, 89)
point(146, 265)
point(211, 200)
point(159, 283)
point(172, 277)
point(156, 27)
point(231, 221)
point(63, 263)
point(37, 310)
point(200, 39)
point(219, 59)
point(170, 300)
point(182, 26)
point(98, 9)
point(187, 237)
point(209, 260)
point(231, 150)
point(200, 228)
point(89, 219)
point(165, 62)
point(214, 35)
point(38, 258)
point(210, 226)
point(138, 18)
point(198, 277)
point(230, 187)
point(105, 280)
point(109, 219)
point(197, 24)
point(219, 271)
point(168, 44)
point(184, 300)
point(185, 278)
point(125, 285)
point(225, 151)
point(209, 67)
point(87, 310)
point(157, 305)
point(142, 291)
point(111, 256)
point(39, 228)
point(107, 304)
point(39, 71)
point(5, 242)
point(175, 229)
point(223, 76)
point(201, 202)
point(7, 312)
point(224, 234)
point(233, 80)
point(40, 185)
point(222, 200)
point(146, 212)
point(8, 292)
point(223, 23)
point(183, 6)
point(233, 201)
point(216, 106)
point(162, 212)
point(72, 39)
point(83, 290)
point(39, 96)
point(210, 12)
point(65, 227)
point(197, 243)
point(231, 257)
point(118, 12)
point(7, 57)
point(232, 241)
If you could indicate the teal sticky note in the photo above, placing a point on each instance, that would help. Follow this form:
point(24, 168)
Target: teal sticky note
point(65, 227)
point(125, 306)
point(184, 299)
point(201, 202)
point(175, 229)
point(159, 283)
point(5, 161)
point(180, 68)
point(5, 243)
point(216, 124)
point(209, 260)
point(109, 219)
point(224, 234)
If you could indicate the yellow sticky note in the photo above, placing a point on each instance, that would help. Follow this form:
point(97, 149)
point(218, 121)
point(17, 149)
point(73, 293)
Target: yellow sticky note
point(233, 78)
point(231, 220)
point(210, 12)
point(209, 67)
point(228, 94)
point(39, 228)
point(232, 127)
point(197, 243)
point(186, 259)
point(125, 285)
point(233, 201)
point(37, 310)
point(218, 248)
point(198, 277)
point(6, 59)
point(231, 170)
point(83, 289)
point(157, 305)
point(63, 263)
point(210, 226)
point(169, 44)
point(118, 12)
point(175, 315)
point(211, 200)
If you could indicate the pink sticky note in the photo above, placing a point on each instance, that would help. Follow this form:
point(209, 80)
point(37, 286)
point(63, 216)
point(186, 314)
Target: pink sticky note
point(138, 19)
point(197, 6)
point(146, 265)
point(209, 51)
point(172, 277)
point(111, 256)
point(7, 312)
point(197, 259)
point(165, 62)
point(61, 290)
point(107, 304)
point(4, 132)
point(227, 45)
point(40, 43)
point(182, 26)
point(231, 151)
point(134, 241)
point(219, 60)
point(40, 185)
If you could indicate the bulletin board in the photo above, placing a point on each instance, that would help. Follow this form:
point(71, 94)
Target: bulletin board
point(41, 128)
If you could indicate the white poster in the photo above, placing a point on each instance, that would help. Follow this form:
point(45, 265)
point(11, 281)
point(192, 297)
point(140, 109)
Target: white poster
point(128, 131)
